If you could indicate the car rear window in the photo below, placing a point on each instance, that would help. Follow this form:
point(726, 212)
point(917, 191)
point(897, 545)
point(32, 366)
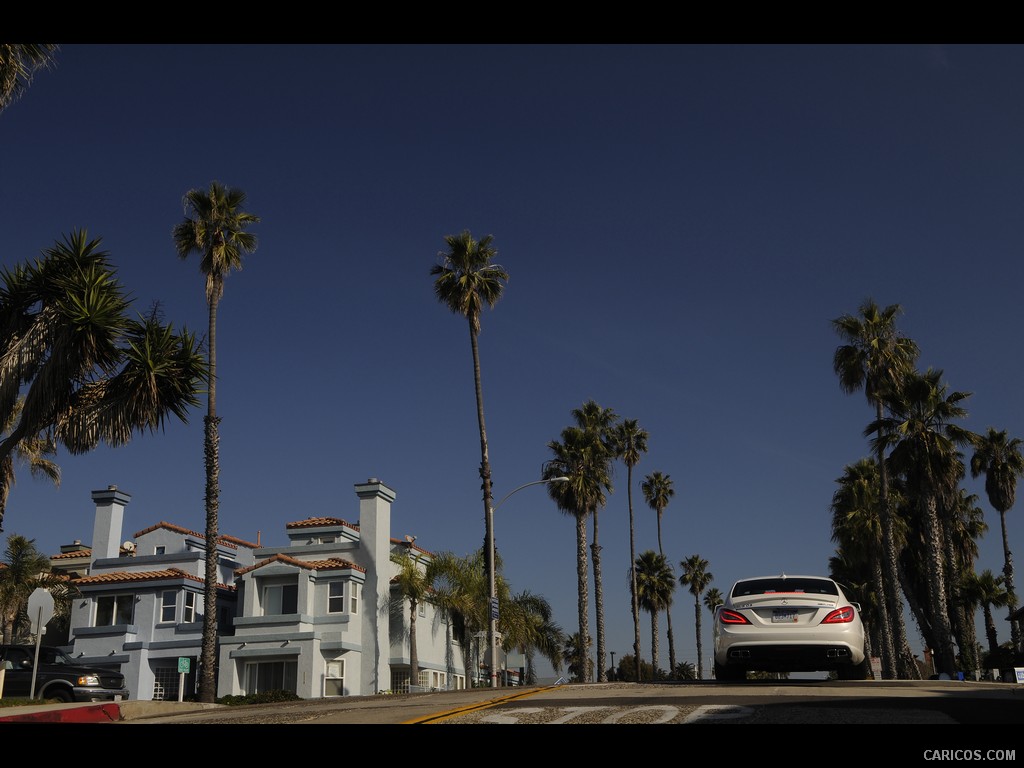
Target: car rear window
point(779, 585)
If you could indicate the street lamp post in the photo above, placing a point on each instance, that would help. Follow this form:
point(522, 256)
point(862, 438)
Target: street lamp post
point(492, 591)
point(613, 664)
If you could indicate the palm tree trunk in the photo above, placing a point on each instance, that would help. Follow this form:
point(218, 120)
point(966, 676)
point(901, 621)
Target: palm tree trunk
point(944, 655)
point(634, 603)
point(582, 601)
point(602, 673)
point(700, 655)
point(654, 644)
point(671, 644)
point(211, 450)
point(895, 647)
point(414, 659)
point(1011, 596)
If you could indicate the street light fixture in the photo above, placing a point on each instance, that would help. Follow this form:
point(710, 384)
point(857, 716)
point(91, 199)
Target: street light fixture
point(492, 592)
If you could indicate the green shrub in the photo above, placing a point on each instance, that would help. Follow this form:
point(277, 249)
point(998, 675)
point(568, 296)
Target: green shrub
point(265, 697)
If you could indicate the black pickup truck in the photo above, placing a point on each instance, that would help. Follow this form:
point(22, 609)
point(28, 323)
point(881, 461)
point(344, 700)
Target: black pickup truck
point(58, 676)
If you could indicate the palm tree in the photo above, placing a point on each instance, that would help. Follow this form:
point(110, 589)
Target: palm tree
point(874, 357)
point(857, 530)
point(924, 440)
point(467, 280)
point(658, 491)
point(631, 442)
point(599, 425)
point(712, 599)
point(697, 577)
point(574, 655)
point(18, 64)
point(33, 451)
point(585, 462)
point(528, 623)
point(989, 591)
point(23, 571)
point(655, 584)
point(214, 228)
point(459, 587)
point(413, 586)
point(76, 369)
point(999, 458)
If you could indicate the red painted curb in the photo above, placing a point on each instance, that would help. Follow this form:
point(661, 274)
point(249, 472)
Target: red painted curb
point(97, 713)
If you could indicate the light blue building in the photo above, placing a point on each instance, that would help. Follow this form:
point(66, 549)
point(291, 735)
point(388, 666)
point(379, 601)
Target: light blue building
point(319, 616)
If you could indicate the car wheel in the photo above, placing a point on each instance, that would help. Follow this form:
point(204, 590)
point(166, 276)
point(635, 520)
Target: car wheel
point(729, 674)
point(63, 695)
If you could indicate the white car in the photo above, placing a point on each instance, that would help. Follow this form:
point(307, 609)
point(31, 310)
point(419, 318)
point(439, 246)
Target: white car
point(788, 624)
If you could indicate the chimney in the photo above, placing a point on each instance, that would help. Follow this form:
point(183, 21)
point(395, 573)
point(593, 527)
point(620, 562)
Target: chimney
point(375, 500)
point(106, 532)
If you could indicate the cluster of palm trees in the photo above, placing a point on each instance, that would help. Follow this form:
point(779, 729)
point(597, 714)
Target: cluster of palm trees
point(458, 587)
point(467, 280)
point(905, 529)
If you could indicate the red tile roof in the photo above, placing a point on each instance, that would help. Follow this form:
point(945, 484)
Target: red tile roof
point(124, 577)
point(228, 540)
point(312, 522)
point(332, 563)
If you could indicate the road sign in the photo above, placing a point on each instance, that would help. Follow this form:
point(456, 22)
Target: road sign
point(494, 608)
point(40, 609)
point(184, 664)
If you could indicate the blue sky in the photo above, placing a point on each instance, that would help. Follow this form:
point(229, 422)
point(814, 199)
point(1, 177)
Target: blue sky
point(680, 223)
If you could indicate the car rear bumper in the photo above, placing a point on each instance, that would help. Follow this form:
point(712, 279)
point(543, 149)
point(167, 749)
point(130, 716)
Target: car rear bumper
point(767, 657)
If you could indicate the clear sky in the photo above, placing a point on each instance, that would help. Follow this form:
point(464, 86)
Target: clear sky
point(681, 223)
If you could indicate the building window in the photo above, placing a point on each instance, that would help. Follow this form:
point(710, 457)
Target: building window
point(280, 599)
point(189, 612)
point(114, 609)
point(422, 606)
point(336, 597)
point(159, 550)
point(334, 682)
point(264, 676)
point(353, 596)
point(168, 606)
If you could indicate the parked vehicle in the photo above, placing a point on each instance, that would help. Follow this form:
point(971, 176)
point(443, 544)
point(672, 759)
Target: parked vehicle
point(788, 624)
point(57, 676)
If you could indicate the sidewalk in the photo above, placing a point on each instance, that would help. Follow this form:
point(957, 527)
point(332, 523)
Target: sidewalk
point(101, 712)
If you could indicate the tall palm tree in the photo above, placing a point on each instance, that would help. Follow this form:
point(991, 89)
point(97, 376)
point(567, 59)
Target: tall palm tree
point(585, 463)
point(874, 357)
point(631, 442)
point(999, 458)
point(18, 64)
point(75, 369)
point(214, 228)
point(466, 281)
point(658, 491)
point(655, 584)
point(599, 425)
point(924, 438)
point(697, 577)
point(413, 586)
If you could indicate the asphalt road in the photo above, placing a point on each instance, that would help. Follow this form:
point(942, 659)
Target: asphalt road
point(936, 703)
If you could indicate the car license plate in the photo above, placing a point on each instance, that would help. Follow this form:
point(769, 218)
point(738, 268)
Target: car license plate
point(783, 616)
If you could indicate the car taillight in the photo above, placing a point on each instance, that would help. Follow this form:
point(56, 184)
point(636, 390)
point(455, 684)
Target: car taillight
point(839, 616)
point(731, 617)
